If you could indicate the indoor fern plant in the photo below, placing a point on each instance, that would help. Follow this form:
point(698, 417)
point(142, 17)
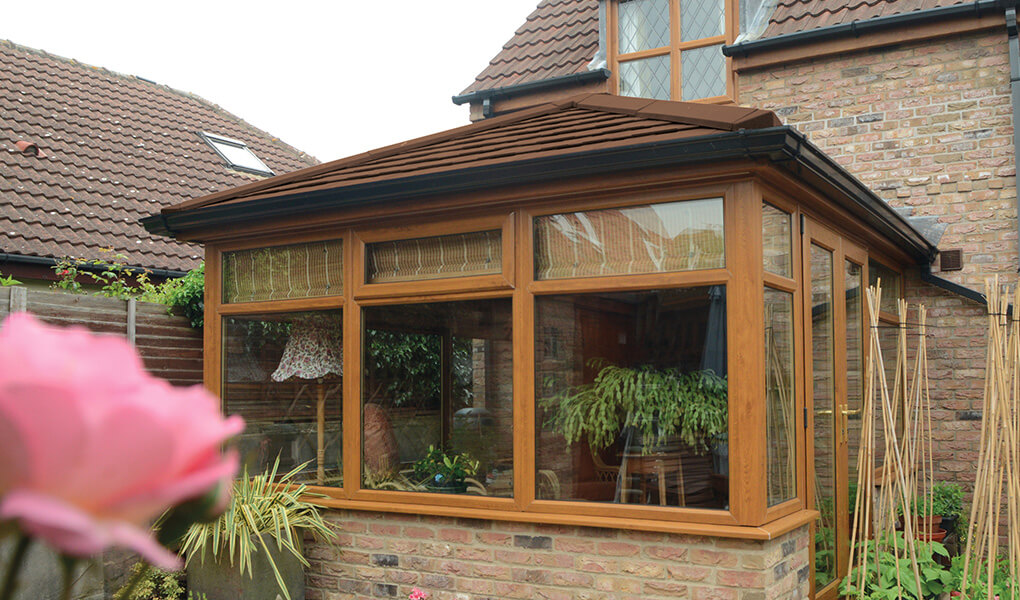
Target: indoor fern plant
point(262, 506)
point(657, 403)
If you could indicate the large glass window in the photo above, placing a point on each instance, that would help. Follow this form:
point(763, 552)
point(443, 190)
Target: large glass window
point(656, 238)
point(890, 282)
point(283, 372)
point(632, 397)
point(437, 397)
point(650, 45)
point(776, 241)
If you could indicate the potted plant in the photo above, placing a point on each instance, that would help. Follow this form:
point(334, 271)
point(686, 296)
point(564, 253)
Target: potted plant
point(445, 472)
point(656, 404)
point(947, 501)
point(253, 550)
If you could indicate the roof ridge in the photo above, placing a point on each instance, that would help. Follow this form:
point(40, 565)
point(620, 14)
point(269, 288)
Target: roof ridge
point(160, 86)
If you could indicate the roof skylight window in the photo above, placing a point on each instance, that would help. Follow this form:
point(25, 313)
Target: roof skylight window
point(237, 154)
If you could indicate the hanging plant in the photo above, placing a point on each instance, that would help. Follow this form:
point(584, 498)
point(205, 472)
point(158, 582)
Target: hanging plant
point(657, 403)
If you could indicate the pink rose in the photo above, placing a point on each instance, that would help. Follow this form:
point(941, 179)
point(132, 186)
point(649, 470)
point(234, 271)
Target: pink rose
point(93, 448)
point(417, 594)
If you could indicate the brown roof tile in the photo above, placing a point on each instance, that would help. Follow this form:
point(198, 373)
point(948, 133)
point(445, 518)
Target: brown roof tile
point(579, 124)
point(800, 15)
point(559, 38)
point(118, 148)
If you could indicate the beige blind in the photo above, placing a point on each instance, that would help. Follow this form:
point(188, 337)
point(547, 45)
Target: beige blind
point(283, 272)
point(676, 236)
point(460, 255)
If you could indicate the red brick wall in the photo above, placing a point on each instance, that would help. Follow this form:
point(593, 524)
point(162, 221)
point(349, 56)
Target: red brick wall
point(926, 125)
point(385, 555)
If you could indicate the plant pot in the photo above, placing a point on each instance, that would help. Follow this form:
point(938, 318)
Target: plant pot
point(220, 580)
point(931, 536)
point(949, 523)
point(925, 524)
point(453, 487)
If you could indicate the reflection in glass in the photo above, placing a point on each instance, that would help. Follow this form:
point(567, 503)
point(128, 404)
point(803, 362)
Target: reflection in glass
point(704, 73)
point(283, 373)
point(702, 19)
point(437, 405)
point(780, 401)
point(824, 403)
point(458, 255)
point(644, 24)
point(853, 278)
point(776, 241)
point(646, 77)
point(657, 238)
point(306, 270)
point(632, 397)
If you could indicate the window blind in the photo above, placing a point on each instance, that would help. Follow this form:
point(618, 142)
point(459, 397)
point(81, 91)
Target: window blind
point(306, 270)
point(459, 255)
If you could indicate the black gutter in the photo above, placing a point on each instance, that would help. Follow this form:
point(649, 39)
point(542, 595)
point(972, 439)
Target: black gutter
point(928, 277)
point(533, 86)
point(783, 146)
point(1014, 85)
point(52, 262)
point(859, 28)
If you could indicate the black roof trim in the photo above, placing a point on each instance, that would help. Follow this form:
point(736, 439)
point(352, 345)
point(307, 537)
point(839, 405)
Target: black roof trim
point(50, 262)
point(783, 146)
point(859, 28)
point(533, 86)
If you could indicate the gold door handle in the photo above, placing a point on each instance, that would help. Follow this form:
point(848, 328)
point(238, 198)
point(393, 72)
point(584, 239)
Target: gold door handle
point(823, 412)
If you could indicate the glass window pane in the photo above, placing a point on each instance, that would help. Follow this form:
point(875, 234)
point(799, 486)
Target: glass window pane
point(776, 241)
point(780, 399)
point(437, 386)
point(459, 255)
point(657, 238)
point(704, 73)
point(890, 285)
point(853, 279)
point(282, 272)
point(644, 24)
point(700, 19)
point(824, 403)
point(283, 373)
point(620, 377)
point(646, 78)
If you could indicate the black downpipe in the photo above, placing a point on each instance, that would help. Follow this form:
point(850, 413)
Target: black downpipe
point(1014, 86)
point(951, 286)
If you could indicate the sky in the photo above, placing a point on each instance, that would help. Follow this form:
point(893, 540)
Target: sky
point(331, 78)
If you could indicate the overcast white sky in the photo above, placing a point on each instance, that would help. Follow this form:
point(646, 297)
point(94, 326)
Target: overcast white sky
point(332, 78)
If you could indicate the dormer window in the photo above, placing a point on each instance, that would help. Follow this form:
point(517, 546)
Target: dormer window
point(672, 49)
point(237, 154)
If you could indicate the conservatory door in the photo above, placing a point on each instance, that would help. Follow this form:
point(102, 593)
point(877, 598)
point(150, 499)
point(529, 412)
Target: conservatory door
point(834, 269)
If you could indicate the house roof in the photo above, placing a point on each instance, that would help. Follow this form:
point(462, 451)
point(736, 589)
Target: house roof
point(580, 123)
point(561, 37)
point(116, 148)
point(586, 135)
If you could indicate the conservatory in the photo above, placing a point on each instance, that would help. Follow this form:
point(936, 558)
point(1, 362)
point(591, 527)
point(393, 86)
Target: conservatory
point(603, 327)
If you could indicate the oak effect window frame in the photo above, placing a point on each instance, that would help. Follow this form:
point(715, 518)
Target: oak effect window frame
point(674, 50)
point(747, 516)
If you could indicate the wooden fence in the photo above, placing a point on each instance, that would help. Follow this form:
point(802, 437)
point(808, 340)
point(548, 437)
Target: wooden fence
point(170, 347)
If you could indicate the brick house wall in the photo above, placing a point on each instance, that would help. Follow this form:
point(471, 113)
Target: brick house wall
point(926, 125)
point(381, 555)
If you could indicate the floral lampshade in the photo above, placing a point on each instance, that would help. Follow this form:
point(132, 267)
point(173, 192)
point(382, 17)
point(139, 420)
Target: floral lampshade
point(313, 350)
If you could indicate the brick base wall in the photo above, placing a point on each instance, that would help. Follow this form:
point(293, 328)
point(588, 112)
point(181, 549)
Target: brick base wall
point(385, 555)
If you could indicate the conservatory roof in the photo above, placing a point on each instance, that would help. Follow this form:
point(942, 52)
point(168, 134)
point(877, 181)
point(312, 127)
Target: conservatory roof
point(586, 135)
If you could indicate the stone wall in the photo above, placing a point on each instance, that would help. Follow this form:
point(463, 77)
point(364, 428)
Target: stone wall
point(385, 555)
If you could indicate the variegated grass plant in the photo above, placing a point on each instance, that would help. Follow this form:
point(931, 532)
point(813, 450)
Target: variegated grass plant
point(261, 504)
